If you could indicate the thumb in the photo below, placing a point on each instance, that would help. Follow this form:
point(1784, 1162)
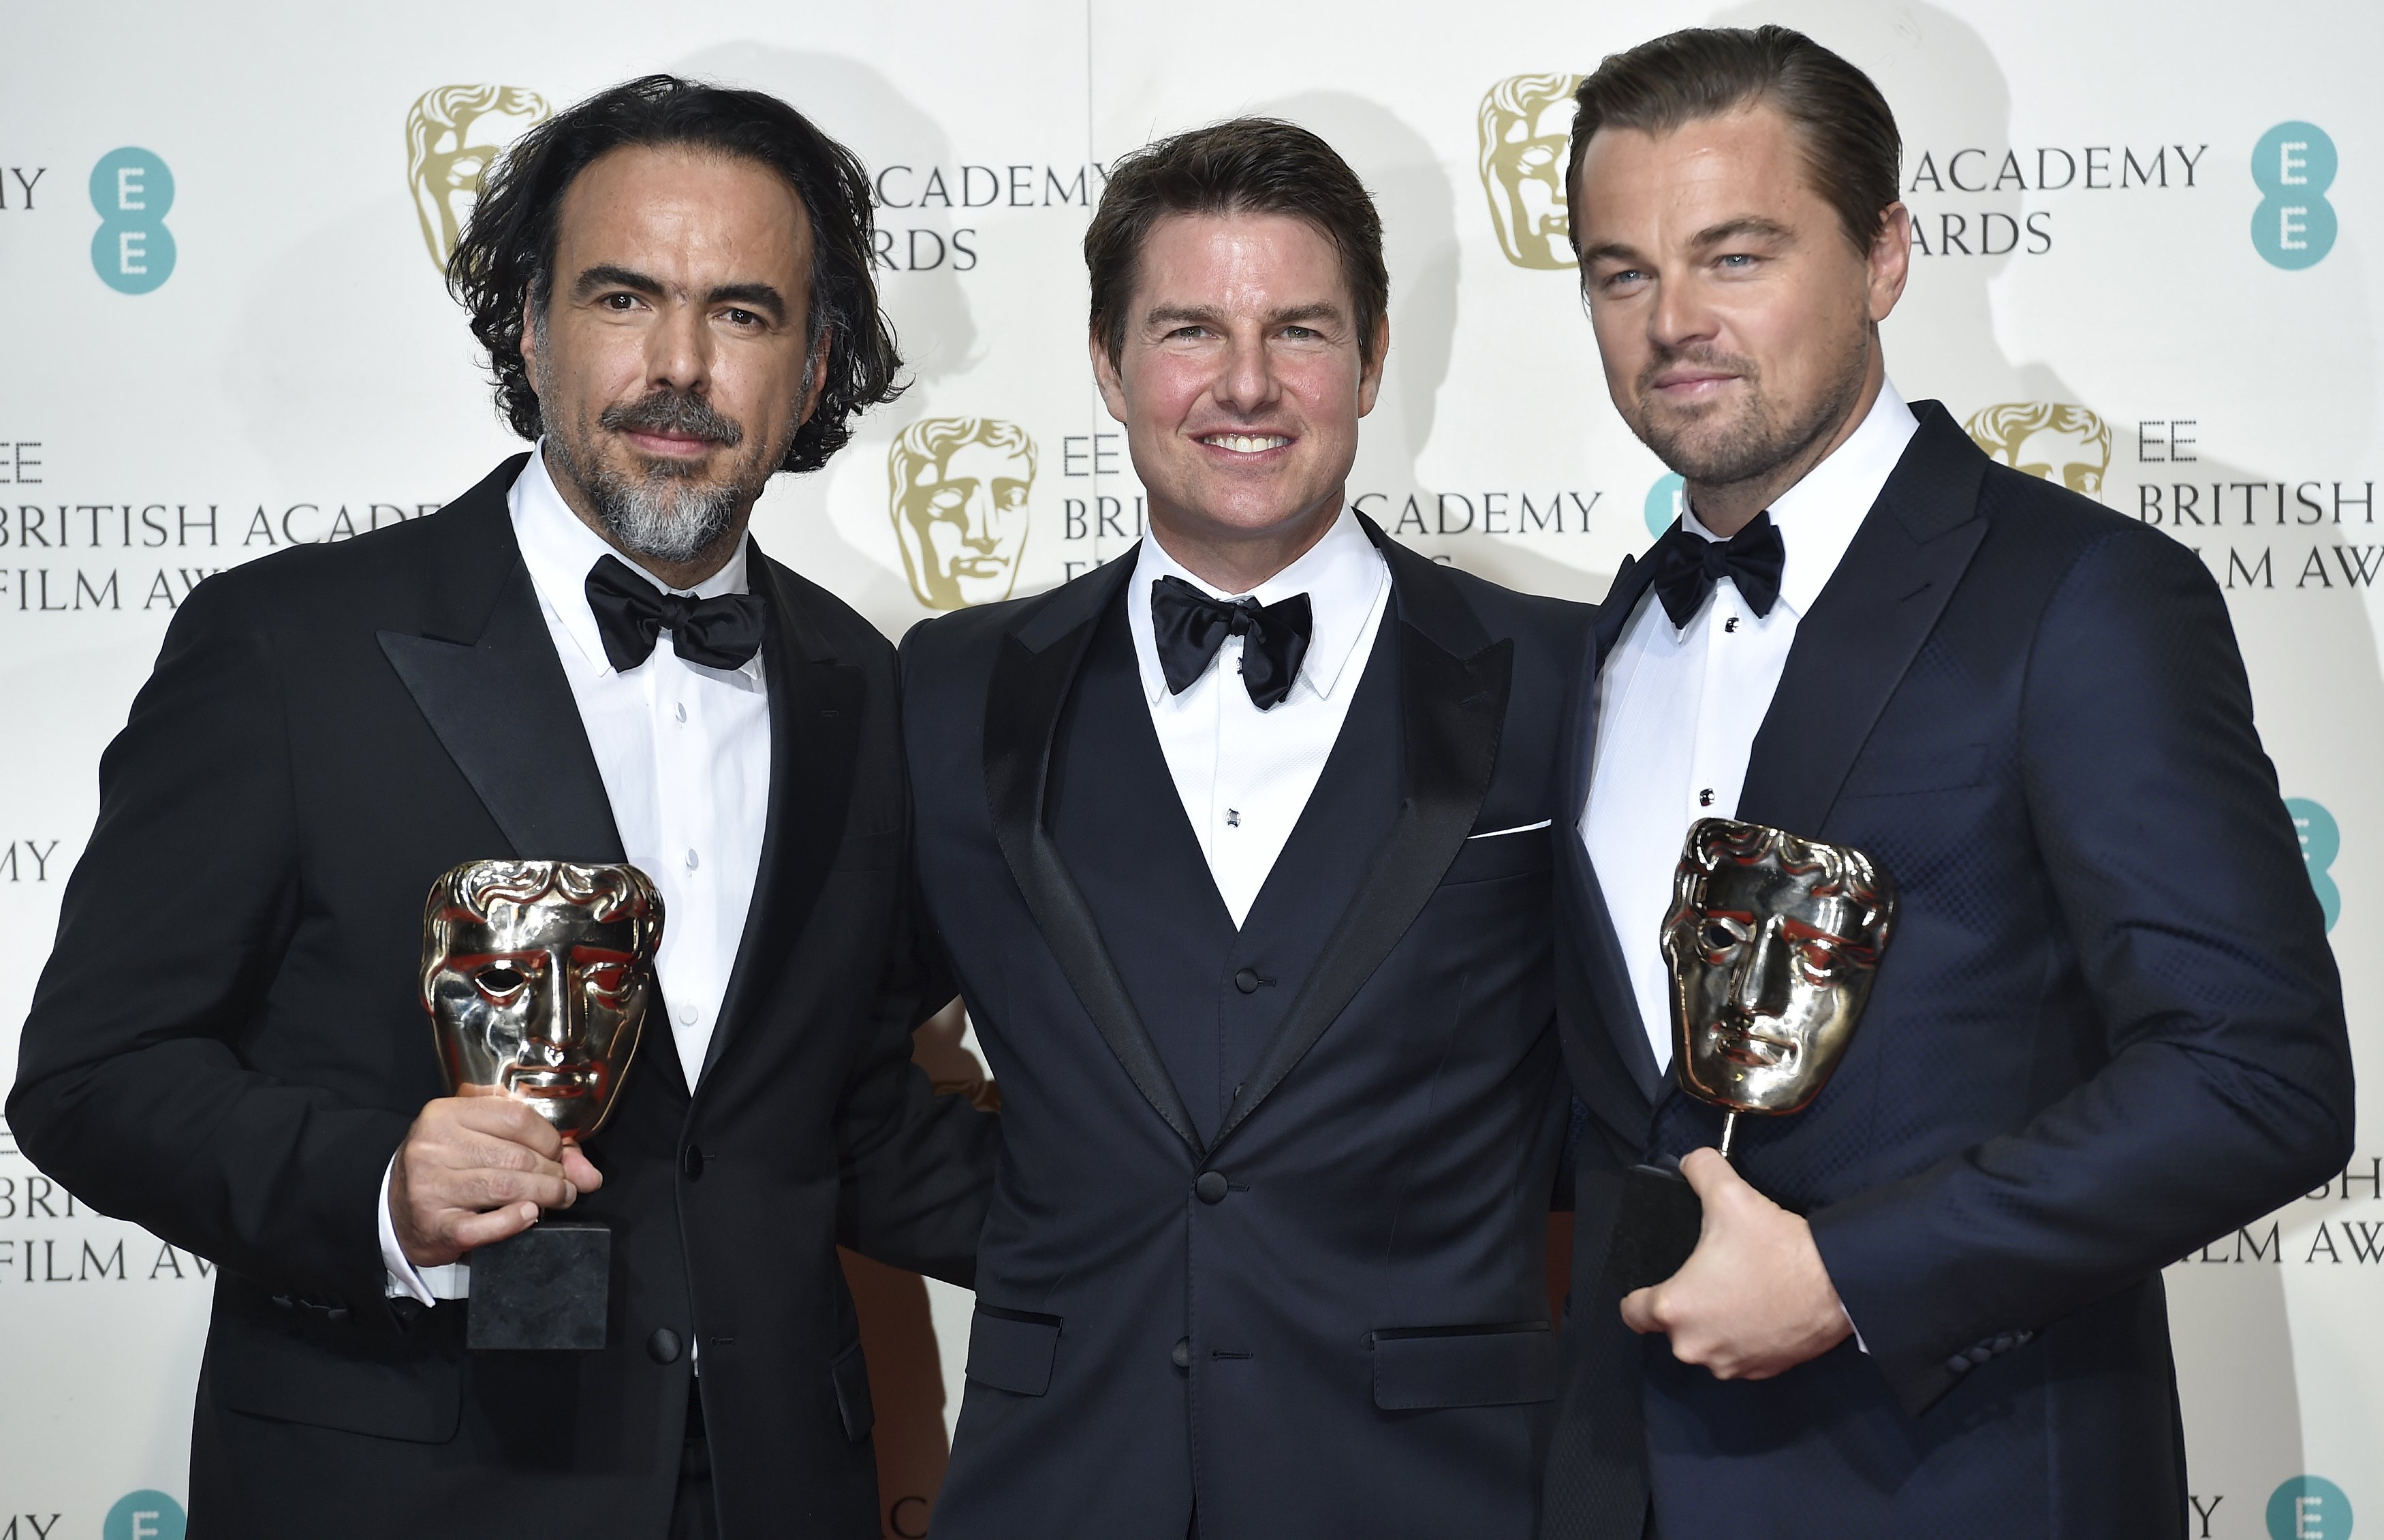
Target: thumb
point(1709, 1175)
point(1639, 1310)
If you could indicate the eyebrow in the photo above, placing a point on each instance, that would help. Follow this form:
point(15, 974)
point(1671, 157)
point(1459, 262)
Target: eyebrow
point(1751, 226)
point(1164, 315)
point(759, 296)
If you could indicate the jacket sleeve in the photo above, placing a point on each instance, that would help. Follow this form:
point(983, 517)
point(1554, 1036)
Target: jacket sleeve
point(917, 1168)
point(2222, 1085)
point(131, 1090)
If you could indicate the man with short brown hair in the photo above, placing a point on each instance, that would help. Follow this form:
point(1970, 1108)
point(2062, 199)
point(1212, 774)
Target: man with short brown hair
point(2109, 1026)
point(1239, 845)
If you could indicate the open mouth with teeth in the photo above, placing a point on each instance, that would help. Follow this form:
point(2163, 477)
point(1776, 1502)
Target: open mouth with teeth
point(1245, 444)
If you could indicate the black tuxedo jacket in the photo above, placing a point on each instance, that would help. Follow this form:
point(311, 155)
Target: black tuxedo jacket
point(2108, 1028)
point(227, 1047)
point(1270, 1227)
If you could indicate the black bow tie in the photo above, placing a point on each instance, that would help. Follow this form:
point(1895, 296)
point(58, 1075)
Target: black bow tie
point(1190, 627)
point(1688, 566)
point(631, 614)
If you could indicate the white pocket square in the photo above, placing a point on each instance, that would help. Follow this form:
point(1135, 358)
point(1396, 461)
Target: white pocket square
point(1520, 828)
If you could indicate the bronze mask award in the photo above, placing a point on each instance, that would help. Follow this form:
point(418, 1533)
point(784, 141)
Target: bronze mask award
point(537, 975)
point(1774, 943)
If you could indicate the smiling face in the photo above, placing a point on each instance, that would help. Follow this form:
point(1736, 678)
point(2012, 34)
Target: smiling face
point(670, 358)
point(537, 977)
point(1737, 321)
point(1240, 384)
point(1774, 943)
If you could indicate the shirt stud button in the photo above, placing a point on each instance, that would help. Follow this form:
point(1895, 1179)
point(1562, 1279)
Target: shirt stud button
point(1704, 798)
point(691, 860)
point(682, 711)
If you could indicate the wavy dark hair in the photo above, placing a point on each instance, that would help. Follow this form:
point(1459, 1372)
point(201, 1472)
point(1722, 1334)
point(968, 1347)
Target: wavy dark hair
point(504, 262)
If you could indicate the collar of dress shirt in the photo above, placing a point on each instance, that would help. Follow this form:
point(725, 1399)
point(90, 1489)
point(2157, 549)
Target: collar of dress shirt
point(560, 550)
point(1819, 515)
point(1342, 575)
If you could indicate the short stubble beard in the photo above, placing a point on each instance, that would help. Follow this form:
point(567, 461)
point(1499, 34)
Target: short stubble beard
point(1756, 443)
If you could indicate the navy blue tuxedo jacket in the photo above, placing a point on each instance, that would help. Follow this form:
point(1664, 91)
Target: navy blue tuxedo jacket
point(1268, 1234)
point(2108, 1030)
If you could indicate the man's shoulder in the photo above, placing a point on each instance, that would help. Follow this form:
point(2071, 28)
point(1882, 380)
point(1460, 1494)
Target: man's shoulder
point(965, 641)
point(1531, 619)
point(2053, 528)
point(354, 579)
point(851, 635)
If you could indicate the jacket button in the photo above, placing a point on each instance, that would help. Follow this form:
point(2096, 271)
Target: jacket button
point(691, 1163)
point(1182, 1352)
point(1248, 981)
point(662, 1346)
point(1211, 1187)
point(1958, 1364)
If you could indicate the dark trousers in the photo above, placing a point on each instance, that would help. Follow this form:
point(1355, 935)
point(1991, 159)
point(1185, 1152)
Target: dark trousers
point(693, 1517)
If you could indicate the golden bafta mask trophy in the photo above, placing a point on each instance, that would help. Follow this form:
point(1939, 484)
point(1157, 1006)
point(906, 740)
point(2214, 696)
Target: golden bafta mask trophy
point(537, 975)
point(1774, 943)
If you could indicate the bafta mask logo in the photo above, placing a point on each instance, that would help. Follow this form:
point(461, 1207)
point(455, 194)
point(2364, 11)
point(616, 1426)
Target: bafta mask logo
point(451, 135)
point(958, 496)
point(2047, 438)
point(537, 975)
point(1526, 126)
point(1774, 943)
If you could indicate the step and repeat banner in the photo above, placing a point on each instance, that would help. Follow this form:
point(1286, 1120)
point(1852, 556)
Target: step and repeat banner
point(2141, 269)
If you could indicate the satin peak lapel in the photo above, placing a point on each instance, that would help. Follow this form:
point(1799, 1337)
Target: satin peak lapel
point(1032, 676)
point(1866, 626)
point(503, 711)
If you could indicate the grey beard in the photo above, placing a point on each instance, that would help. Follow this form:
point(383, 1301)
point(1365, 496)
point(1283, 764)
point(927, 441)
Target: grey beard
point(663, 520)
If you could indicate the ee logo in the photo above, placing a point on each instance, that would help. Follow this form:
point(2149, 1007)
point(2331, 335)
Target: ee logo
point(2309, 1508)
point(143, 1516)
point(1665, 501)
point(132, 250)
point(2321, 842)
point(2293, 165)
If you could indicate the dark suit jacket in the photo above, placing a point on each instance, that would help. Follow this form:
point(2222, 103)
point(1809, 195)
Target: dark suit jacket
point(2108, 1028)
point(1270, 1227)
point(227, 1047)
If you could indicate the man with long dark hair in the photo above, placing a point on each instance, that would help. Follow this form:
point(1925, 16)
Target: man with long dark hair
point(2108, 1030)
point(583, 657)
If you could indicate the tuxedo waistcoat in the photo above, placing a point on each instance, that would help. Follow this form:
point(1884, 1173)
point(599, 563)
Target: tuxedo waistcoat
point(1213, 997)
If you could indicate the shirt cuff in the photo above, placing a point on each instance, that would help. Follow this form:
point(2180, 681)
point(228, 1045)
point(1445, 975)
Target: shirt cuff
point(404, 1282)
point(1859, 1343)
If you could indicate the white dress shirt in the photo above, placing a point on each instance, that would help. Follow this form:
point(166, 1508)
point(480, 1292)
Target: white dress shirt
point(1245, 774)
point(684, 751)
point(1678, 709)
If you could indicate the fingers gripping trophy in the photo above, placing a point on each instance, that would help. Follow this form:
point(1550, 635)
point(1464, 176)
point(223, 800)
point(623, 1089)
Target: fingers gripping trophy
point(537, 975)
point(1774, 943)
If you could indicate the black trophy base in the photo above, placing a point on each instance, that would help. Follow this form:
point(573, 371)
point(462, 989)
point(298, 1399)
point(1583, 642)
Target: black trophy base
point(546, 1288)
point(1655, 1229)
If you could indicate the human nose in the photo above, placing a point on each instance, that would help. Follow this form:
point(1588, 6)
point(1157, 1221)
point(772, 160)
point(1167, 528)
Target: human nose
point(1680, 318)
point(678, 351)
point(1246, 380)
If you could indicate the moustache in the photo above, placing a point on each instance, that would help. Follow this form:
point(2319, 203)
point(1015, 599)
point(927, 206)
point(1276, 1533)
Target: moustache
point(1698, 356)
point(668, 411)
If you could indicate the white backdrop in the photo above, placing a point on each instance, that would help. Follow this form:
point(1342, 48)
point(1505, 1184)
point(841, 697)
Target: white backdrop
point(225, 332)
